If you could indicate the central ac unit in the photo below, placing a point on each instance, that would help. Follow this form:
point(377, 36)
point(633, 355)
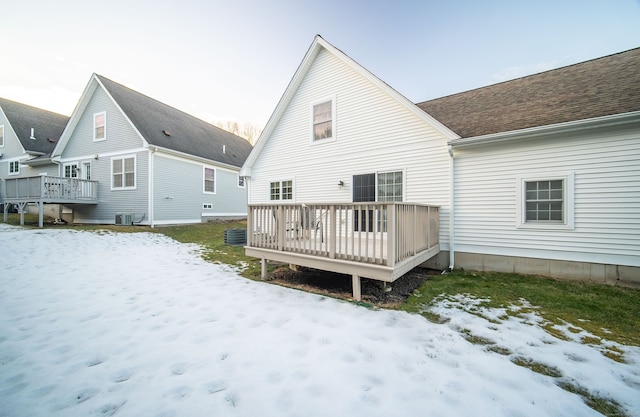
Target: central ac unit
point(124, 219)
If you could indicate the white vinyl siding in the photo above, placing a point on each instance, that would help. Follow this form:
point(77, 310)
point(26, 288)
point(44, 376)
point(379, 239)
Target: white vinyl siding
point(602, 179)
point(376, 134)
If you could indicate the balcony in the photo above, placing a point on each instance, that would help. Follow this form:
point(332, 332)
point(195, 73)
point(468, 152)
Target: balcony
point(46, 189)
point(380, 241)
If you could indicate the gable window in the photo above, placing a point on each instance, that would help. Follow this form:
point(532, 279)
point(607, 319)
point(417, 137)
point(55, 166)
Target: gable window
point(100, 126)
point(546, 202)
point(123, 173)
point(209, 180)
point(14, 167)
point(1, 136)
point(324, 125)
point(281, 190)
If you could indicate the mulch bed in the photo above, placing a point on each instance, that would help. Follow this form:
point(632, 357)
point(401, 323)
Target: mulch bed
point(331, 284)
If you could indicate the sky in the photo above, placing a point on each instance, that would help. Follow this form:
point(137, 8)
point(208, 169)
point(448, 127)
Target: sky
point(141, 325)
point(223, 60)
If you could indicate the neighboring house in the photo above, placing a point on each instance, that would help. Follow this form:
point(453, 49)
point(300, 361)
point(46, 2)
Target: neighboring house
point(27, 137)
point(126, 158)
point(486, 158)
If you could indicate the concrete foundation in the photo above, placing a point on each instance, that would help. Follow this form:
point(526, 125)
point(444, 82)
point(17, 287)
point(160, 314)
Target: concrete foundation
point(628, 276)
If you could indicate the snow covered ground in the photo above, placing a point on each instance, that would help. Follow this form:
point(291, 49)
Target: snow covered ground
point(100, 324)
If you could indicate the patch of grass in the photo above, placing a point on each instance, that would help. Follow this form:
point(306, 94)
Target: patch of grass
point(500, 350)
point(605, 311)
point(434, 317)
point(538, 367)
point(604, 406)
point(475, 339)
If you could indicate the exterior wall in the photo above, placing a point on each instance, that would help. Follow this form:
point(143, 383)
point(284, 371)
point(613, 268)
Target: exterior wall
point(121, 140)
point(179, 192)
point(606, 230)
point(374, 133)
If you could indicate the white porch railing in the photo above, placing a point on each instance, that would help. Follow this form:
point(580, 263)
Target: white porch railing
point(373, 233)
point(50, 189)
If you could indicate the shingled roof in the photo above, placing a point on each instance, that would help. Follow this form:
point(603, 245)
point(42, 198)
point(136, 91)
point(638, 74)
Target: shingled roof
point(47, 126)
point(599, 87)
point(166, 127)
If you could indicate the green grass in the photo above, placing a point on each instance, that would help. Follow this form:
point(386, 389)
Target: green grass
point(606, 312)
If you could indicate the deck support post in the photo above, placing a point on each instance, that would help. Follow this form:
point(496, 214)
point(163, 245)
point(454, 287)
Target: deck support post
point(357, 288)
point(263, 268)
point(40, 214)
point(22, 207)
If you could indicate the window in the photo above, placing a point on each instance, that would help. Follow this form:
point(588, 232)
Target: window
point(281, 190)
point(100, 126)
point(1, 136)
point(207, 206)
point(71, 170)
point(209, 180)
point(240, 181)
point(123, 172)
point(390, 186)
point(14, 167)
point(546, 202)
point(324, 120)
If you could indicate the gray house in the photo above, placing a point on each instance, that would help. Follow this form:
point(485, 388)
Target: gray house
point(27, 137)
point(125, 158)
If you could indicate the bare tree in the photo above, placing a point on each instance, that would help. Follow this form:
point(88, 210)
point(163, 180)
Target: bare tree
point(246, 130)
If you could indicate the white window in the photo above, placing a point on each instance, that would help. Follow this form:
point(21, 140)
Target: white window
point(209, 178)
point(1, 136)
point(123, 173)
point(14, 167)
point(324, 120)
point(71, 170)
point(241, 182)
point(546, 202)
point(281, 190)
point(100, 126)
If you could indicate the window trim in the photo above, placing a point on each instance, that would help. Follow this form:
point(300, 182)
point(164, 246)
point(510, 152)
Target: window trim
point(135, 173)
point(2, 136)
point(204, 176)
point(333, 137)
point(10, 164)
point(95, 115)
point(293, 188)
point(568, 223)
point(71, 165)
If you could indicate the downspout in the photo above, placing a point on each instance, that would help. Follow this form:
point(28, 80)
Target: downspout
point(451, 211)
point(151, 190)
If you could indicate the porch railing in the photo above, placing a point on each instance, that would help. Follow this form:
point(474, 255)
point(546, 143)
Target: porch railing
point(48, 188)
point(376, 233)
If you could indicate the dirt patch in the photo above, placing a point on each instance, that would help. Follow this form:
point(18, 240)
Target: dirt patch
point(376, 293)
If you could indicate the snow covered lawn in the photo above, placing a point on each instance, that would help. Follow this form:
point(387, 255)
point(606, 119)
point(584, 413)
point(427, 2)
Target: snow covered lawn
point(100, 324)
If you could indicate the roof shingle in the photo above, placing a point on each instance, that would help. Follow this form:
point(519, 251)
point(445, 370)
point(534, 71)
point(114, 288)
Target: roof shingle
point(599, 87)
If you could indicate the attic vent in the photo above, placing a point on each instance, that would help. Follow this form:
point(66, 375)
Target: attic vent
point(166, 133)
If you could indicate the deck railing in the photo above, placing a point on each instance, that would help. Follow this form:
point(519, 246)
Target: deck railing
point(374, 233)
point(48, 188)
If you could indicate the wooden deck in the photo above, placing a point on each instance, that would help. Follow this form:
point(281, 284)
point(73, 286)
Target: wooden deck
point(381, 241)
point(44, 189)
